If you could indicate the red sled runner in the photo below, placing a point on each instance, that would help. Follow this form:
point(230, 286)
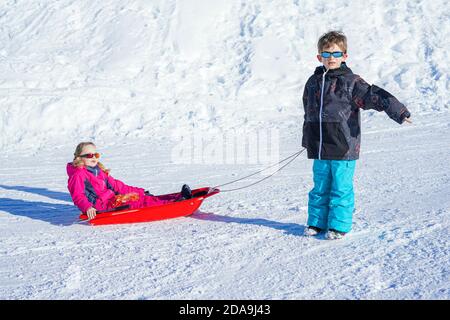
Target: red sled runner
point(162, 212)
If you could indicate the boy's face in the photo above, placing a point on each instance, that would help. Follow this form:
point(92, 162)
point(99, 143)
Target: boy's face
point(332, 62)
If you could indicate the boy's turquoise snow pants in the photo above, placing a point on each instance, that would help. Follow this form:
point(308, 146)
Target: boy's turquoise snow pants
point(332, 201)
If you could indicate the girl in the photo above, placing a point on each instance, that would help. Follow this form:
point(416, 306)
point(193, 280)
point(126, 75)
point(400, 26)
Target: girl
point(93, 189)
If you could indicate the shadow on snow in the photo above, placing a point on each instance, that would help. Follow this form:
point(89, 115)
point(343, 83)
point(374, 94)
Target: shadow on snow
point(288, 228)
point(54, 213)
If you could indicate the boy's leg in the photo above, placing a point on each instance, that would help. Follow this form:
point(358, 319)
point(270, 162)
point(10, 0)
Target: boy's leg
point(319, 196)
point(342, 198)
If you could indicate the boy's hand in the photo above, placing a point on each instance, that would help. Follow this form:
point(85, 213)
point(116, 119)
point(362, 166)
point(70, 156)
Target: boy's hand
point(91, 213)
point(406, 117)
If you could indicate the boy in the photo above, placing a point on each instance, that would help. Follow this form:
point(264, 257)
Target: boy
point(332, 99)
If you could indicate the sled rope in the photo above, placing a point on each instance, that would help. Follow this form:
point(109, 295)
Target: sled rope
point(293, 156)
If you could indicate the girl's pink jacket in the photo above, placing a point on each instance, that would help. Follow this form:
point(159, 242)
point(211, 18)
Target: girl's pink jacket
point(94, 188)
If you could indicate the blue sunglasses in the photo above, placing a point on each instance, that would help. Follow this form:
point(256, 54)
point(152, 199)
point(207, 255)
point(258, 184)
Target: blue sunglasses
point(336, 54)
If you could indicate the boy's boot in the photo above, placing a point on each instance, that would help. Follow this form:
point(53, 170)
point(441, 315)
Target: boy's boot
point(334, 234)
point(312, 231)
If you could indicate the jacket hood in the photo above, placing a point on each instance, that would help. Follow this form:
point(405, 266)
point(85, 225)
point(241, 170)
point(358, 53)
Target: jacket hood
point(71, 169)
point(342, 70)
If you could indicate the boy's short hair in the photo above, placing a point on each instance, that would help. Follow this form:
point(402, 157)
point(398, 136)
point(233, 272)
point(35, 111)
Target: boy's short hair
point(332, 37)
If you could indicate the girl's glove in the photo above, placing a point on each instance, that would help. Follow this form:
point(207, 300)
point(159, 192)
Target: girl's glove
point(123, 199)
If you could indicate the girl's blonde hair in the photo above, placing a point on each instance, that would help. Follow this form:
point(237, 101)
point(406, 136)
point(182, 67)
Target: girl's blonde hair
point(78, 162)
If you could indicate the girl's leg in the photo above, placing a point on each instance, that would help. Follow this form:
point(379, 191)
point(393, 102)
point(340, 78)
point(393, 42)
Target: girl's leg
point(342, 199)
point(319, 196)
point(150, 201)
point(170, 198)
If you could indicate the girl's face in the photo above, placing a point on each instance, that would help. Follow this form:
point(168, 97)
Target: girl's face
point(91, 162)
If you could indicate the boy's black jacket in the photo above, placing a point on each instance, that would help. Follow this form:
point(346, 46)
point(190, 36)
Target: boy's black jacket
point(337, 134)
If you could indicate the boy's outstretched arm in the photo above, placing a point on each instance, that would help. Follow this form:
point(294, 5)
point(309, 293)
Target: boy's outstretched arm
point(367, 97)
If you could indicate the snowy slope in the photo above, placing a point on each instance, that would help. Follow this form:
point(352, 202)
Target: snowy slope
point(136, 76)
point(246, 244)
point(154, 69)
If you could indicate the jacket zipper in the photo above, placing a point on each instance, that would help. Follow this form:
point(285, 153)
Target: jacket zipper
point(320, 113)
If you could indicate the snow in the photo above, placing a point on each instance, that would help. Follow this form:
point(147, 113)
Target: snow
point(137, 77)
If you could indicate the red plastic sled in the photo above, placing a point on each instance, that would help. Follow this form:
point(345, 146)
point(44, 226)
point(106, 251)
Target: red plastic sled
point(166, 211)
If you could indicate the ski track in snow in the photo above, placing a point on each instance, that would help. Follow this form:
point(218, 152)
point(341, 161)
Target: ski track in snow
point(136, 75)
